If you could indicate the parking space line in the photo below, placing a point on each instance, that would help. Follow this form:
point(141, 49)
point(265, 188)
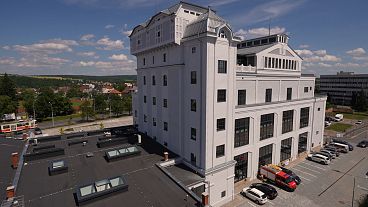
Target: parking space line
point(251, 204)
point(304, 178)
point(271, 202)
point(305, 172)
point(307, 168)
point(314, 166)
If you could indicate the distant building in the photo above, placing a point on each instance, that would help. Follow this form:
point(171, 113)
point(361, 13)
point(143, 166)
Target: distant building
point(225, 106)
point(341, 87)
point(86, 88)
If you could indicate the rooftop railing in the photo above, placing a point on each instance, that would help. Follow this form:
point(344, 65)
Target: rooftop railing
point(243, 68)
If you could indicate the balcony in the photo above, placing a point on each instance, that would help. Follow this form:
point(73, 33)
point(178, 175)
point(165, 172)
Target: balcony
point(246, 69)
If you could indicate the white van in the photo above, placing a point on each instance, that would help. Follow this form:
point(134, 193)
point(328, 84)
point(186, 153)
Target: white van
point(319, 158)
point(341, 145)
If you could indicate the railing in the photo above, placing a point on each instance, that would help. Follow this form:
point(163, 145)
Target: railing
point(243, 68)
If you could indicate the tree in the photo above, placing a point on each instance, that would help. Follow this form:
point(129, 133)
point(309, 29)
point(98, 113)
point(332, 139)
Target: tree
point(87, 110)
point(8, 87)
point(100, 103)
point(127, 102)
point(117, 105)
point(74, 92)
point(29, 98)
point(7, 105)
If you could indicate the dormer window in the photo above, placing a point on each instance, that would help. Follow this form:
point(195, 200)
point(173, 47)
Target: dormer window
point(222, 34)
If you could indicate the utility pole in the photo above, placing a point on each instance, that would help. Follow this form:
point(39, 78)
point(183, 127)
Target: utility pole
point(52, 115)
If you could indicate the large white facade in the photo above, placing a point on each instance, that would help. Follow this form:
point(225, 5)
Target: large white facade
point(187, 56)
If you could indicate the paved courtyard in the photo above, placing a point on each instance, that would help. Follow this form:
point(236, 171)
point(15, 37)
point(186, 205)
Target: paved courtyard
point(322, 185)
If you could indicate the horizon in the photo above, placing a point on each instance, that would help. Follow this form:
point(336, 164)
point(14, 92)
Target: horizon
point(40, 39)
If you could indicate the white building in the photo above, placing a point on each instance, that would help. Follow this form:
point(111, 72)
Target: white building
point(224, 110)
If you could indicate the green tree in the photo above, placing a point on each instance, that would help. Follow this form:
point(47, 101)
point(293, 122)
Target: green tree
point(127, 102)
point(87, 110)
point(8, 87)
point(7, 105)
point(29, 98)
point(74, 92)
point(100, 103)
point(117, 105)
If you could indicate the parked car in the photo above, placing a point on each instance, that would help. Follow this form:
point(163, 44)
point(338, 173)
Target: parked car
point(325, 154)
point(37, 131)
point(359, 122)
point(333, 155)
point(255, 195)
point(363, 144)
point(351, 148)
point(270, 191)
point(339, 147)
point(295, 177)
point(332, 150)
point(327, 123)
point(319, 158)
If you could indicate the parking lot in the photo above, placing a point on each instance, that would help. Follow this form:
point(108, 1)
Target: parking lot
point(326, 185)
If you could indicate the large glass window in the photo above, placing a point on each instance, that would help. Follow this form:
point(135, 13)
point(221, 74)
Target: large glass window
point(289, 93)
point(286, 149)
point(268, 97)
point(241, 167)
point(220, 151)
point(287, 121)
point(222, 66)
point(267, 125)
point(302, 142)
point(242, 94)
point(265, 155)
point(241, 132)
point(221, 95)
point(304, 117)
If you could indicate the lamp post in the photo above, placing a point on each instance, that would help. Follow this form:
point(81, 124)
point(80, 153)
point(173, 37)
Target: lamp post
point(52, 115)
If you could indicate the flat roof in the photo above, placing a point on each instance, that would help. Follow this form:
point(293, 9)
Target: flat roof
point(148, 185)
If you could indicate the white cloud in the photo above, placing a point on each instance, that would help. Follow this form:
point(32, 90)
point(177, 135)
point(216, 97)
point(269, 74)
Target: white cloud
point(217, 3)
point(118, 57)
point(36, 61)
point(356, 52)
point(44, 48)
point(325, 58)
point(127, 33)
point(6, 47)
point(110, 65)
point(87, 37)
point(320, 52)
point(258, 32)
point(87, 64)
point(109, 26)
point(325, 65)
point(303, 46)
point(304, 52)
point(361, 58)
point(88, 54)
point(348, 65)
point(61, 41)
point(123, 4)
point(106, 44)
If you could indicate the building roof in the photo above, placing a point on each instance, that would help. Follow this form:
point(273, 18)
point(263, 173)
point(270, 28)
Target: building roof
point(254, 50)
point(148, 185)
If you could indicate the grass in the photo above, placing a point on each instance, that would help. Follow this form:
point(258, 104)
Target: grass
point(339, 127)
point(62, 118)
point(357, 116)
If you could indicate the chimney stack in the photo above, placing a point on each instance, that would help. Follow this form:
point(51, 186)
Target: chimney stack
point(10, 192)
point(15, 159)
point(166, 156)
point(205, 199)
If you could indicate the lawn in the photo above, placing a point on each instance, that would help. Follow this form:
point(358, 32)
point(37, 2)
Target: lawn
point(339, 127)
point(357, 116)
point(62, 118)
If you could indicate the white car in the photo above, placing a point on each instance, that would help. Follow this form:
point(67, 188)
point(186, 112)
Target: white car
point(359, 122)
point(255, 195)
point(319, 158)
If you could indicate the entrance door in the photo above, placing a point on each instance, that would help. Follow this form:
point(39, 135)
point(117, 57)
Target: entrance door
point(241, 167)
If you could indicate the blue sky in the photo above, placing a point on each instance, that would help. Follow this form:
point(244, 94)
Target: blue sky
point(90, 36)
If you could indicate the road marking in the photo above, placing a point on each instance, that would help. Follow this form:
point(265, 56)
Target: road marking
point(307, 169)
point(366, 189)
point(271, 202)
point(305, 172)
point(314, 166)
point(251, 204)
point(304, 178)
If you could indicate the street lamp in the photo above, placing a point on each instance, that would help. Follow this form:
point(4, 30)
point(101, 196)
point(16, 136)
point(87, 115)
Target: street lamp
point(52, 115)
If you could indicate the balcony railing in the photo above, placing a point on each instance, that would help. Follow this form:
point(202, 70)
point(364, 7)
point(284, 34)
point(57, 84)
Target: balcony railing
point(243, 68)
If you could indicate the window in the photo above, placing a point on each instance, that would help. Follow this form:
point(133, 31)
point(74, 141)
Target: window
point(193, 133)
point(153, 59)
point(153, 121)
point(164, 78)
point(164, 57)
point(165, 103)
point(166, 126)
point(186, 11)
point(145, 118)
point(289, 93)
point(193, 77)
point(194, 49)
point(144, 61)
point(305, 89)
point(220, 151)
point(268, 97)
point(135, 113)
point(222, 34)
point(145, 99)
point(304, 117)
point(221, 95)
point(319, 109)
point(153, 80)
point(154, 101)
point(193, 158)
point(241, 135)
point(221, 124)
point(223, 194)
point(241, 167)
point(222, 66)
point(265, 155)
point(158, 34)
point(193, 105)
point(267, 125)
point(302, 142)
point(285, 149)
point(144, 80)
point(242, 94)
point(287, 121)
